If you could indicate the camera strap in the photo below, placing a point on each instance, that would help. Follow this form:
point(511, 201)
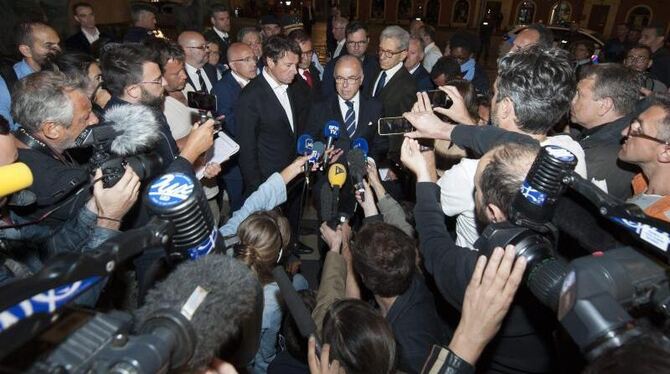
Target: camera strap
point(37, 145)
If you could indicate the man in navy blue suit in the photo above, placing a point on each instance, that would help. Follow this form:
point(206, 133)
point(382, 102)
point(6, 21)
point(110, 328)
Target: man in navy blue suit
point(357, 42)
point(413, 64)
point(242, 64)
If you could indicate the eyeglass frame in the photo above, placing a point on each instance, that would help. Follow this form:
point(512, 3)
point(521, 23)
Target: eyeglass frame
point(640, 133)
point(203, 47)
point(247, 59)
point(348, 80)
point(357, 44)
point(389, 54)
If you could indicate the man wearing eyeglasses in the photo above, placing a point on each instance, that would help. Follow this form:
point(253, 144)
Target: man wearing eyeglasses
point(308, 74)
point(647, 145)
point(394, 86)
point(242, 62)
point(357, 42)
point(603, 105)
point(201, 76)
point(638, 58)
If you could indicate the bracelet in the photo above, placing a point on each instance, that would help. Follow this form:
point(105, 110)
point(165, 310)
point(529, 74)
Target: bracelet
point(110, 219)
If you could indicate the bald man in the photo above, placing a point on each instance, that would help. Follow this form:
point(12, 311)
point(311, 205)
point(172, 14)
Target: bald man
point(242, 63)
point(201, 76)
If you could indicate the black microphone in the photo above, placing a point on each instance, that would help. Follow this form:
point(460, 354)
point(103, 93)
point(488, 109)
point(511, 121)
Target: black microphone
point(357, 170)
point(212, 307)
point(179, 198)
point(534, 204)
point(326, 202)
point(301, 316)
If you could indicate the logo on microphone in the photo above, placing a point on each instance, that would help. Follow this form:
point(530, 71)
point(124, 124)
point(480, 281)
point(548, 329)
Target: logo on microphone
point(339, 170)
point(560, 153)
point(170, 189)
point(333, 130)
point(532, 195)
point(205, 247)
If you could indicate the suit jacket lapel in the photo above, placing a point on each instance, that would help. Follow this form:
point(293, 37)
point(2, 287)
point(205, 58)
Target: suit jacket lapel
point(335, 106)
point(363, 117)
point(274, 99)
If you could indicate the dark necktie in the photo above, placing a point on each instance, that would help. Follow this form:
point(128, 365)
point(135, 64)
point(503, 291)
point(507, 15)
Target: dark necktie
point(380, 85)
point(308, 77)
point(201, 80)
point(350, 119)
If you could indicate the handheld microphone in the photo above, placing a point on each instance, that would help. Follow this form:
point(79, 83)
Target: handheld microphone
point(14, 177)
point(331, 131)
point(213, 305)
point(326, 202)
point(304, 147)
point(357, 170)
point(180, 199)
point(362, 144)
point(534, 204)
point(337, 175)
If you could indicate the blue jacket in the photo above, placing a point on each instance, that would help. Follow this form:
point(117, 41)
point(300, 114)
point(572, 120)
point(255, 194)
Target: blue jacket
point(227, 91)
point(422, 78)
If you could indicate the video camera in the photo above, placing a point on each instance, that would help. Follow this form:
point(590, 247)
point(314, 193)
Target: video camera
point(595, 296)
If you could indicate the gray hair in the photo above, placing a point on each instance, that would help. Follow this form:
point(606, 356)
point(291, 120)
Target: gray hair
point(246, 30)
point(42, 97)
point(397, 33)
point(340, 21)
point(615, 81)
point(422, 44)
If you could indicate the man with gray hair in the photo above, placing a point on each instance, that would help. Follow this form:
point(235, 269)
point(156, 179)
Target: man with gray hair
point(413, 61)
point(394, 85)
point(339, 27)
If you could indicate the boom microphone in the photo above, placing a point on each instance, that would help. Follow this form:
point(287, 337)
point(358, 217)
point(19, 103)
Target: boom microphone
point(14, 177)
point(179, 198)
point(219, 300)
point(301, 316)
point(331, 131)
point(357, 170)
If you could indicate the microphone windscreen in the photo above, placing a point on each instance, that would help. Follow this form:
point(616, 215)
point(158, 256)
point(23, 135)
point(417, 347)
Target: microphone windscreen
point(331, 129)
point(227, 323)
point(305, 144)
point(14, 177)
point(337, 175)
point(362, 144)
point(301, 316)
point(356, 161)
point(137, 127)
point(326, 200)
point(317, 152)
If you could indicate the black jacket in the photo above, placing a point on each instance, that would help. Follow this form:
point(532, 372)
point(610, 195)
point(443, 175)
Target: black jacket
point(416, 326)
point(314, 92)
point(137, 34)
point(79, 43)
point(524, 342)
point(267, 141)
point(211, 36)
point(210, 71)
point(661, 66)
point(423, 80)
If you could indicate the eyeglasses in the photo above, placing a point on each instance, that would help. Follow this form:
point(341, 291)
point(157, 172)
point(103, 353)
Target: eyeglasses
point(201, 47)
point(389, 54)
point(157, 81)
point(348, 80)
point(635, 129)
point(248, 59)
point(358, 44)
point(307, 53)
point(636, 59)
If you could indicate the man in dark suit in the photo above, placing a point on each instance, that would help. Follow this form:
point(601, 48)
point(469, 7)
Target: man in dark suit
point(201, 75)
point(219, 33)
point(413, 64)
point(88, 32)
point(308, 74)
point(227, 91)
point(144, 20)
point(394, 85)
point(357, 42)
point(357, 115)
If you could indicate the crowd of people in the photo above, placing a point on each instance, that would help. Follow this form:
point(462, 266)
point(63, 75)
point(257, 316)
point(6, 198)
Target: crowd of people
point(406, 282)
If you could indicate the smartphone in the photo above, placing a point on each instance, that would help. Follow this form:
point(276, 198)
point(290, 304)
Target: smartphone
point(393, 126)
point(439, 98)
point(201, 101)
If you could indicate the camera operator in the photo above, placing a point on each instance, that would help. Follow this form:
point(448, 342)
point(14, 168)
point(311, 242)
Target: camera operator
point(524, 343)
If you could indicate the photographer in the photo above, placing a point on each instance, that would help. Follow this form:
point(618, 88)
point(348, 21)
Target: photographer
point(524, 343)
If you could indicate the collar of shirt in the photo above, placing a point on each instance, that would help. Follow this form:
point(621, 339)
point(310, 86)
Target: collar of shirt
point(391, 72)
point(22, 69)
point(429, 47)
point(412, 70)
point(91, 37)
point(221, 34)
point(239, 79)
point(344, 107)
point(192, 73)
point(276, 86)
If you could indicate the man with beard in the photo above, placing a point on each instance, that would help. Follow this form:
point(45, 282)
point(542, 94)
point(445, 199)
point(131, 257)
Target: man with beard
point(38, 44)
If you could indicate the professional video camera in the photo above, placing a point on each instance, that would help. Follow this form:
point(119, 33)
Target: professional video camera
point(128, 131)
point(596, 297)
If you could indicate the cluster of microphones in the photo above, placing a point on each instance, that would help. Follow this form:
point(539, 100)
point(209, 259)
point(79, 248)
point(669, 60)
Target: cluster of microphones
point(337, 172)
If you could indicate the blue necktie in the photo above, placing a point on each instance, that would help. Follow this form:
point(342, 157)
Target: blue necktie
point(380, 85)
point(350, 119)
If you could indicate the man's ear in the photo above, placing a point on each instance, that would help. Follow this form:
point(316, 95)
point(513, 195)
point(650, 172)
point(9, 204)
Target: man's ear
point(664, 156)
point(506, 109)
point(52, 130)
point(605, 105)
point(494, 214)
point(25, 50)
point(134, 91)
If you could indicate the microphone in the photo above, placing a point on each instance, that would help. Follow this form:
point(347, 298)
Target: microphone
point(15, 177)
point(331, 131)
point(212, 307)
point(304, 147)
point(362, 144)
point(337, 175)
point(357, 169)
point(533, 206)
point(301, 316)
point(326, 200)
point(179, 198)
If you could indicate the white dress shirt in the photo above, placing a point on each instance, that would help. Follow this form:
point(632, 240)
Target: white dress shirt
point(344, 107)
point(223, 35)
point(281, 92)
point(338, 50)
point(91, 37)
point(389, 74)
point(193, 75)
point(432, 53)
